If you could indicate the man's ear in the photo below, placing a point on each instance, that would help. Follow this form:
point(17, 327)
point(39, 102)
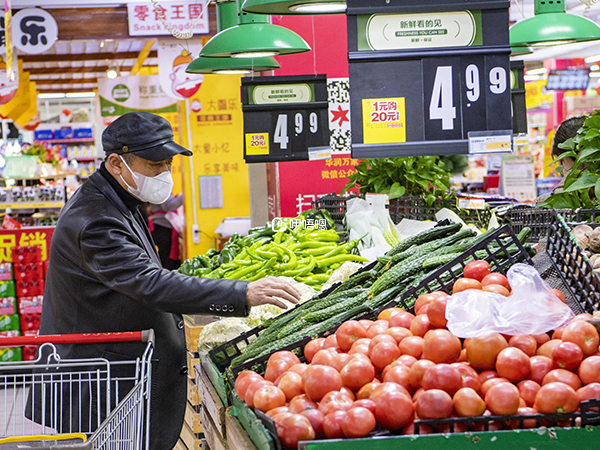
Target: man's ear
point(113, 163)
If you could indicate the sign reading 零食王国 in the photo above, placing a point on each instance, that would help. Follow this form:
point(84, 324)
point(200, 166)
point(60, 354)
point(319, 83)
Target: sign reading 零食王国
point(428, 78)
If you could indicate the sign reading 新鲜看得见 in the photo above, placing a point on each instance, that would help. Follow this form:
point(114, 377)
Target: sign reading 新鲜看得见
point(440, 69)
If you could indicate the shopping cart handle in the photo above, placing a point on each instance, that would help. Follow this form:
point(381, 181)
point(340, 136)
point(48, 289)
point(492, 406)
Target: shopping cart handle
point(85, 338)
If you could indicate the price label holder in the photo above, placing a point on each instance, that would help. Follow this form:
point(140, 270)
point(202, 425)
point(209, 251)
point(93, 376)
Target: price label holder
point(423, 75)
point(481, 142)
point(285, 118)
point(471, 203)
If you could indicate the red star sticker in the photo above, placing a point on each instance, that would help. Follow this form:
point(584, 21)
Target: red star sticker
point(341, 115)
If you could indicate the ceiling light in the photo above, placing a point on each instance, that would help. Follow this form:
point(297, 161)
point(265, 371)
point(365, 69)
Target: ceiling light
point(532, 77)
point(227, 18)
point(592, 59)
point(539, 71)
point(294, 6)
point(595, 67)
point(595, 74)
point(254, 36)
point(80, 94)
point(46, 96)
point(551, 25)
point(113, 70)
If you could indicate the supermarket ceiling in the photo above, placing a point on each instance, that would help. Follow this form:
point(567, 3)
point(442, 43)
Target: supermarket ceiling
point(93, 35)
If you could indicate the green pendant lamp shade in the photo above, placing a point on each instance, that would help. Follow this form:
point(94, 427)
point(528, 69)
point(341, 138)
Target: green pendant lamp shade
point(227, 18)
point(520, 50)
point(254, 37)
point(286, 7)
point(551, 25)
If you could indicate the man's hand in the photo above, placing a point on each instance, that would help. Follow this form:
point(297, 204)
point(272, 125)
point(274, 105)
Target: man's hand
point(270, 290)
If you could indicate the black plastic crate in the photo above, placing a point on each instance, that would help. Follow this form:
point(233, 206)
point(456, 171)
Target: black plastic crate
point(334, 204)
point(572, 265)
point(492, 247)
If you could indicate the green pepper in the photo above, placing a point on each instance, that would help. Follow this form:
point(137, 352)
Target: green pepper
point(264, 271)
point(340, 258)
point(236, 275)
point(202, 272)
point(291, 262)
point(303, 270)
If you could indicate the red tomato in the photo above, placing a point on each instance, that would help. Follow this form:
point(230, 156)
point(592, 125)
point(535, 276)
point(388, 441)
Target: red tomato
point(319, 380)
point(434, 404)
point(527, 423)
point(527, 344)
point(348, 333)
point(556, 397)
point(467, 402)
point(417, 370)
point(366, 391)
point(348, 393)
point(560, 295)
point(425, 299)
point(584, 334)
point(294, 429)
point(589, 370)
point(357, 373)
point(423, 309)
point(470, 378)
point(284, 355)
point(398, 333)
point(280, 416)
point(444, 377)
point(541, 338)
point(513, 364)
point(386, 314)
point(384, 353)
point(335, 401)
point(324, 357)
point(503, 399)
point(540, 366)
point(301, 403)
point(399, 375)
point(243, 381)
point(557, 334)
point(567, 356)
point(496, 278)
point(486, 375)
point(477, 270)
point(582, 316)
point(279, 410)
point(486, 385)
point(589, 392)
point(276, 368)
point(528, 389)
point(340, 360)
point(358, 423)
point(420, 325)
point(331, 342)
point(412, 345)
point(381, 338)
point(378, 327)
point(361, 346)
point(267, 398)
point(562, 376)
point(441, 346)
point(251, 390)
point(366, 323)
point(299, 368)
point(407, 360)
point(401, 319)
point(385, 389)
point(332, 425)
point(291, 385)
point(482, 351)
point(394, 410)
point(463, 356)
point(365, 403)
point(463, 284)
point(496, 289)
point(315, 417)
point(437, 312)
point(313, 347)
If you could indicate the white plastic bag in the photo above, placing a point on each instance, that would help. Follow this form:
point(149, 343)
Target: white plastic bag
point(369, 221)
point(532, 309)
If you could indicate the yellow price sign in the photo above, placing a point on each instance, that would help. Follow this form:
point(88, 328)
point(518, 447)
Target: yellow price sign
point(384, 120)
point(257, 143)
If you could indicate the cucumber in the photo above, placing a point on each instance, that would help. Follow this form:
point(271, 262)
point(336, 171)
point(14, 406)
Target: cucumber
point(425, 236)
point(356, 280)
point(333, 310)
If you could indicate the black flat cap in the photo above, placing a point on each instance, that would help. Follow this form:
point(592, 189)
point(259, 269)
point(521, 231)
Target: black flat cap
point(144, 134)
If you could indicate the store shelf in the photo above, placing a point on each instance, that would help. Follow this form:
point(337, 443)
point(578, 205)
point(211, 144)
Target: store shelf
point(66, 141)
point(31, 205)
point(39, 177)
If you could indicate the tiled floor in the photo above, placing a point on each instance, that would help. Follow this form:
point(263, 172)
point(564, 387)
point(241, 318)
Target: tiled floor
point(12, 419)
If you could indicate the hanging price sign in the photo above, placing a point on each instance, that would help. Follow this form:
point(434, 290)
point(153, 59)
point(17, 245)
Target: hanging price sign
point(444, 63)
point(285, 118)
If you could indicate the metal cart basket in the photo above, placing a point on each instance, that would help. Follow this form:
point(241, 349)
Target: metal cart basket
point(92, 403)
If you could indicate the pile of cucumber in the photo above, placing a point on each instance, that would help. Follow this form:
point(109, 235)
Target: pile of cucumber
point(406, 264)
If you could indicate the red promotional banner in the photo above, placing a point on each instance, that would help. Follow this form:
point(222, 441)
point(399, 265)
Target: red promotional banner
point(24, 237)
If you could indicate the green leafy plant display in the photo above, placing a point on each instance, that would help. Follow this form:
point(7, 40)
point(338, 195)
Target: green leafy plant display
point(423, 176)
point(582, 183)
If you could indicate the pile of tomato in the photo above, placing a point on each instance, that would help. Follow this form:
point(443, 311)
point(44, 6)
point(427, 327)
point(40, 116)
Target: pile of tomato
point(402, 367)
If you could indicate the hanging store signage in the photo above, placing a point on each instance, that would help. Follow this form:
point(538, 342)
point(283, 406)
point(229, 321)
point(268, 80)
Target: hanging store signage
point(517, 89)
point(34, 30)
point(285, 118)
point(173, 60)
point(441, 68)
point(568, 79)
point(146, 19)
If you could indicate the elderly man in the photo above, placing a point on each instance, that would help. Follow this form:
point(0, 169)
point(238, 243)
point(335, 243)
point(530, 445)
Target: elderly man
point(104, 273)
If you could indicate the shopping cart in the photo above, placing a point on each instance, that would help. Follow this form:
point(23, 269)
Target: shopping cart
point(76, 403)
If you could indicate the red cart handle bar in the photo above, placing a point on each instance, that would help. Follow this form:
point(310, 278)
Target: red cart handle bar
point(85, 338)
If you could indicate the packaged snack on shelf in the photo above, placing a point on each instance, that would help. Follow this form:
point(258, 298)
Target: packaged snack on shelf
point(6, 273)
point(9, 322)
point(29, 271)
point(29, 352)
point(7, 305)
point(31, 305)
point(11, 354)
point(7, 289)
point(30, 323)
point(27, 254)
point(30, 288)
point(9, 333)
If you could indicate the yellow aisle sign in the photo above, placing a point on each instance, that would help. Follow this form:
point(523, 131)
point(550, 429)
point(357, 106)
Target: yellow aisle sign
point(384, 120)
point(220, 173)
point(6, 109)
point(31, 111)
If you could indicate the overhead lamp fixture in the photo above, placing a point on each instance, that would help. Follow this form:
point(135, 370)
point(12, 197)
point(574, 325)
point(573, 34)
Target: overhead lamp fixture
point(551, 25)
point(592, 59)
point(285, 7)
point(80, 94)
point(595, 68)
point(253, 37)
point(532, 77)
point(113, 71)
point(227, 18)
point(540, 71)
point(48, 96)
point(595, 74)
point(520, 50)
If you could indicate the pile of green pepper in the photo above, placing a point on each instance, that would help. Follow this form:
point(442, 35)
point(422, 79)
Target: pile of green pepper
point(290, 247)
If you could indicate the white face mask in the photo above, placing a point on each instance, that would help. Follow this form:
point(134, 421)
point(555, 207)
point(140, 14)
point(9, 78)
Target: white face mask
point(154, 190)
